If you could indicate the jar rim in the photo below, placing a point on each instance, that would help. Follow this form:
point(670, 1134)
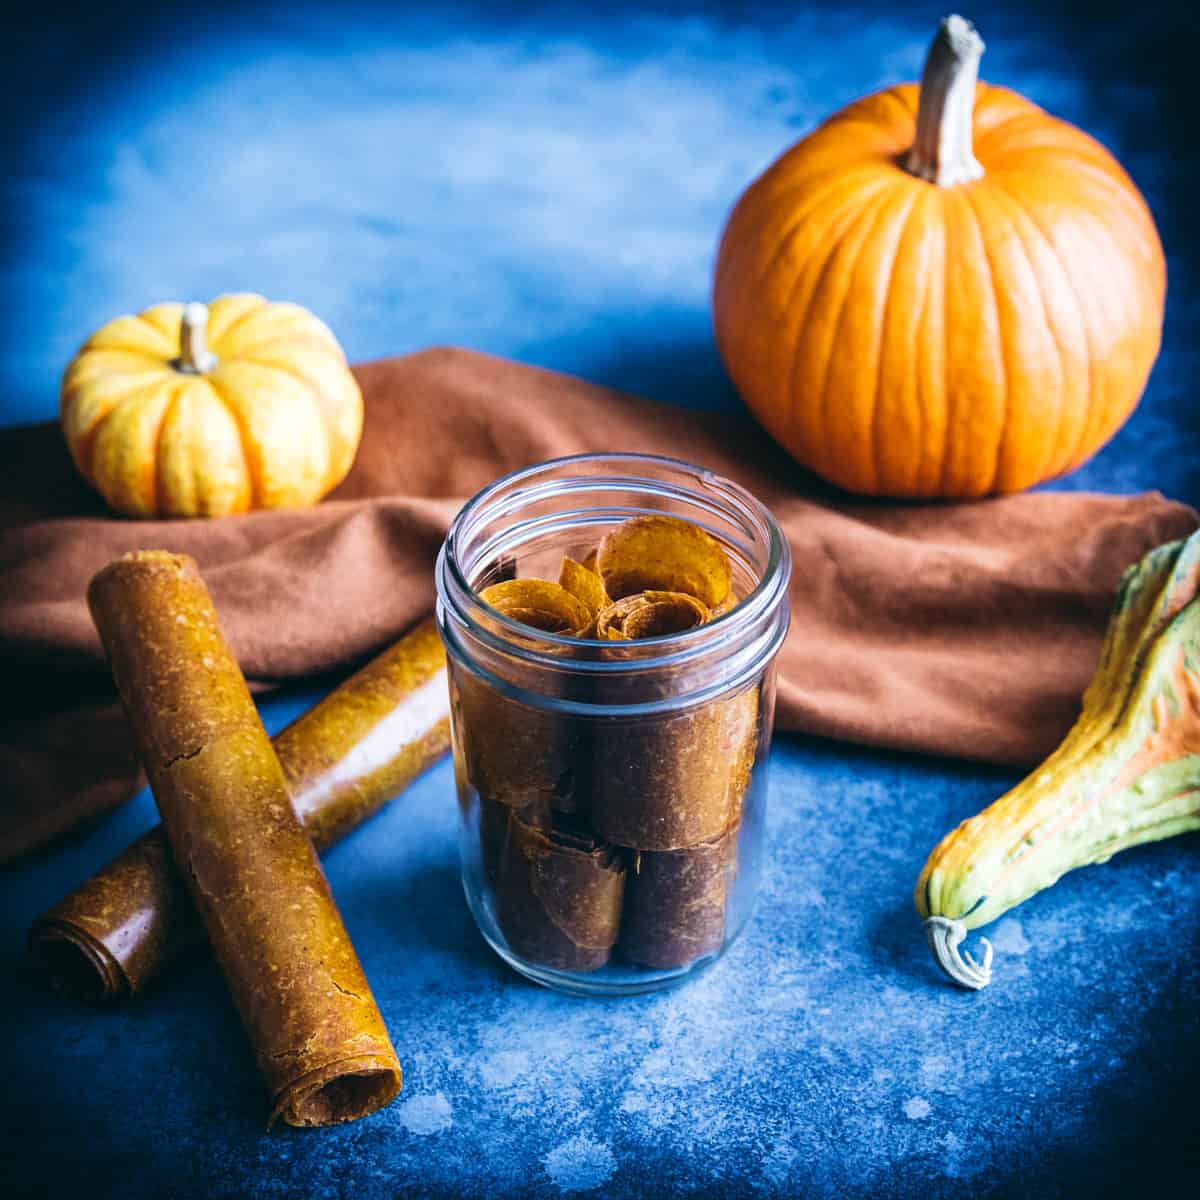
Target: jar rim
point(731, 499)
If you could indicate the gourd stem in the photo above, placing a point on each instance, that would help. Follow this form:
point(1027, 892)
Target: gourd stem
point(945, 935)
point(194, 355)
point(942, 152)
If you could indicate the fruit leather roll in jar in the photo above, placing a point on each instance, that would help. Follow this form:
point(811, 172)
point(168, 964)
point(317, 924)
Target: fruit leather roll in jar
point(343, 760)
point(674, 907)
point(250, 869)
point(672, 779)
point(670, 785)
point(558, 892)
point(671, 788)
point(514, 754)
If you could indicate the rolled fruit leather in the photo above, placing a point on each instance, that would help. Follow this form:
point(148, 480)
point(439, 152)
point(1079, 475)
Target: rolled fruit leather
point(674, 911)
point(586, 586)
point(671, 786)
point(676, 779)
point(558, 747)
point(250, 868)
point(558, 892)
point(514, 754)
point(697, 766)
point(650, 614)
point(343, 760)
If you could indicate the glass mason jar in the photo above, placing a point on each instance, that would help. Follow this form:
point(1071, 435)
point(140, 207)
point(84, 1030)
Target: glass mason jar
point(612, 794)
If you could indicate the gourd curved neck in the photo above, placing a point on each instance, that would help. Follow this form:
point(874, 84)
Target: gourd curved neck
point(942, 152)
point(194, 355)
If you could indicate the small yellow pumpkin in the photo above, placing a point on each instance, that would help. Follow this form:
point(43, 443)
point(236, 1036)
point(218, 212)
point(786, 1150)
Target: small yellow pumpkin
point(188, 410)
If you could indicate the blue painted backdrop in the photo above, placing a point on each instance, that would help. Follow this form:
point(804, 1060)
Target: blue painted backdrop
point(548, 182)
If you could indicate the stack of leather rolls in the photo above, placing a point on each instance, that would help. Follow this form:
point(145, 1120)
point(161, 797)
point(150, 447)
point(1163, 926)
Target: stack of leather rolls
point(242, 819)
point(612, 834)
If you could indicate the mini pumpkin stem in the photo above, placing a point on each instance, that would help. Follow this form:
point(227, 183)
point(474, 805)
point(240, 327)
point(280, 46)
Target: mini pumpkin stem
point(194, 355)
point(942, 152)
point(945, 935)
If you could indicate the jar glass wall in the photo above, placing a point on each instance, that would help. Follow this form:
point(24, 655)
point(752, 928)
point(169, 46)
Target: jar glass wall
point(612, 794)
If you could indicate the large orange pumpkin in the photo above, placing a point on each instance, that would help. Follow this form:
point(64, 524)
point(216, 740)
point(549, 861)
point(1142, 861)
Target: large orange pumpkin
point(941, 291)
point(188, 411)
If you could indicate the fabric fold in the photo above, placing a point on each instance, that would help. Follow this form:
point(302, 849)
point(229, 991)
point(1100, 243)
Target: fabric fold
point(966, 630)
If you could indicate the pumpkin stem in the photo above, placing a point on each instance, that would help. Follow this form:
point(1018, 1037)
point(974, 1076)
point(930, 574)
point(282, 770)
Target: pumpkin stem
point(194, 356)
point(945, 935)
point(942, 151)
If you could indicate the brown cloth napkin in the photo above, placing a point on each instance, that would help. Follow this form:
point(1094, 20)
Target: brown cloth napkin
point(966, 629)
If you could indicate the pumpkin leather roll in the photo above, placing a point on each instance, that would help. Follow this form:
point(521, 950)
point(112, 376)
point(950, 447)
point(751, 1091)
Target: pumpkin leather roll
point(672, 781)
point(558, 893)
point(370, 738)
point(674, 909)
point(515, 754)
point(249, 867)
point(650, 614)
point(343, 760)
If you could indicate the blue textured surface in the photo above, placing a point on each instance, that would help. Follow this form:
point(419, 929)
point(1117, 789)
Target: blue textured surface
point(550, 185)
